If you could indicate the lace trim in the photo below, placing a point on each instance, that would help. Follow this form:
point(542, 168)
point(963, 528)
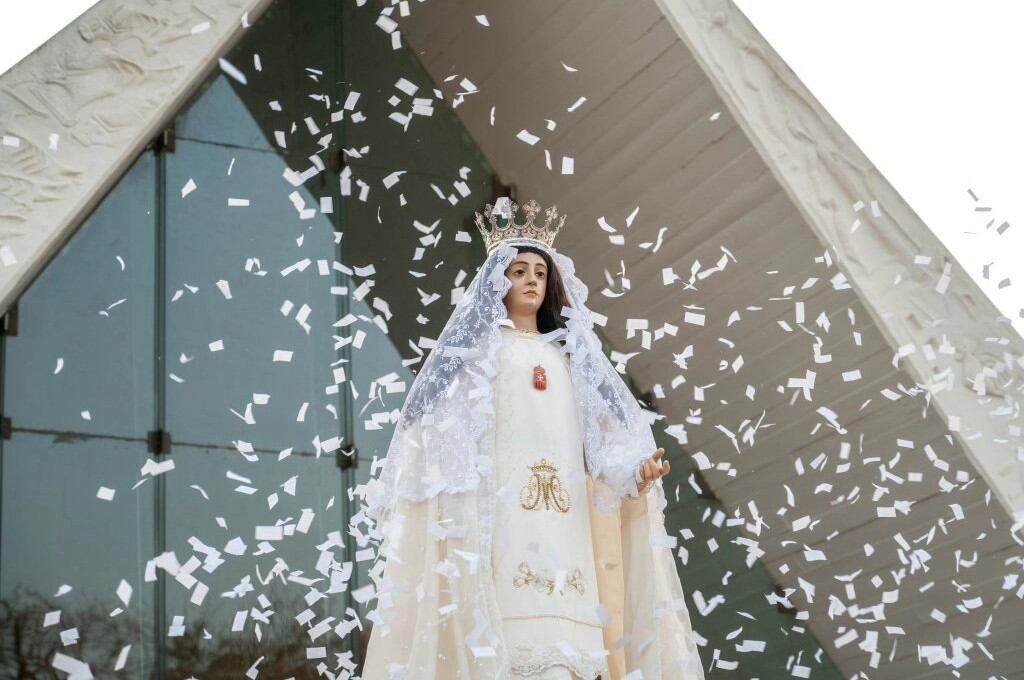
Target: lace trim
point(487, 515)
point(528, 660)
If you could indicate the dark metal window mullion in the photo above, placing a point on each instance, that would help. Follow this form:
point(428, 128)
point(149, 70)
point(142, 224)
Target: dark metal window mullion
point(346, 424)
point(3, 366)
point(159, 408)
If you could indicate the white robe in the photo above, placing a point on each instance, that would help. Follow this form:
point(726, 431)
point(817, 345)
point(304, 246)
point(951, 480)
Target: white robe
point(542, 552)
point(452, 591)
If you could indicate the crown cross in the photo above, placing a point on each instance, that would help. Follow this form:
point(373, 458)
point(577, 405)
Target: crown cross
point(529, 231)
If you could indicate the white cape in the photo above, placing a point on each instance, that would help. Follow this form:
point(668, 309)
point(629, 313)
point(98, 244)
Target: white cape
point(433, 507)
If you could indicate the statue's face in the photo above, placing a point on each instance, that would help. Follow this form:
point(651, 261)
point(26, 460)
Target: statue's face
point(529, 276)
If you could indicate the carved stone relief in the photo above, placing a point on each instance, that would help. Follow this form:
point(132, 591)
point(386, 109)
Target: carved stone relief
point(77, 111)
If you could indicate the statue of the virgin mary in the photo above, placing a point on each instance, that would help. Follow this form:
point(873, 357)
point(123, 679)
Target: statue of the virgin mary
point(519, 514)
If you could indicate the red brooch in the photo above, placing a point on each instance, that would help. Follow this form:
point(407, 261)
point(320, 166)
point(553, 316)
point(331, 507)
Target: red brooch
point(540, 378)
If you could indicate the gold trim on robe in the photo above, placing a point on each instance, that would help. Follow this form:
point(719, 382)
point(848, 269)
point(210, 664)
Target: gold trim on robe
point(632, 576)
point(544, 487)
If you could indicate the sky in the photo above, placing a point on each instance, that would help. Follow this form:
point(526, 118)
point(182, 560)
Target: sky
point(927, 90)
point(32, 24)
point(931, 93)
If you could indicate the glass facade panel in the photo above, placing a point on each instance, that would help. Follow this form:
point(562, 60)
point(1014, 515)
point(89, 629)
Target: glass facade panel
point(263, 531)
point(76, 511)
point(270, 327)
point(219, 332)
point(82, 361)
point(66, 550)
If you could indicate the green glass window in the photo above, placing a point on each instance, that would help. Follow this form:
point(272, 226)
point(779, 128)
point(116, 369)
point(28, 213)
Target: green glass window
point(188, 409)
point(78, 387)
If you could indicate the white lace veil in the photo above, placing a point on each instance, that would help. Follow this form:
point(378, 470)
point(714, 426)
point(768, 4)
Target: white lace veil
point(436, 444)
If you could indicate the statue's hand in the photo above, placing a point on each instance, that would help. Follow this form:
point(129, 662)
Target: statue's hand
point(653, 468)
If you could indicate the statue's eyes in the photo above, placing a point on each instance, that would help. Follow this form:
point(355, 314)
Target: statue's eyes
point(516, 272)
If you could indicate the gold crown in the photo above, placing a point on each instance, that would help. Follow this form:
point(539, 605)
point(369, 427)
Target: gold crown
point(543, 466)
point(529, 231)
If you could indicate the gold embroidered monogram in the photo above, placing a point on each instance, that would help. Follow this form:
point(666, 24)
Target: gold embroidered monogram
point(544, 487)
point(528, 577)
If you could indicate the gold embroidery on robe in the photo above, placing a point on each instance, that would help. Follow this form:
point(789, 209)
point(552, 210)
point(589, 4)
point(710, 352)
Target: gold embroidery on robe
point(544, 487)
point(528, 576)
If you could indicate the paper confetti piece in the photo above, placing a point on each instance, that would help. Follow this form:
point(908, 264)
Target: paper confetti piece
point(230, 69)
point(76, 670)
point(526, 136)
point(122, 658)
point(576, 104)
point(124, 592)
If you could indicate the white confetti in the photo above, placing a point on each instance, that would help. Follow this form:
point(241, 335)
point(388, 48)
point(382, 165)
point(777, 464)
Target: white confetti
point(527, 137)
point(386, 24)
point(230, 69)
point(76, 670)
point(122, 658)
point(124, 592)
point(153, 468)
point(693, 318)
point(7, 257)
point(406, 86)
